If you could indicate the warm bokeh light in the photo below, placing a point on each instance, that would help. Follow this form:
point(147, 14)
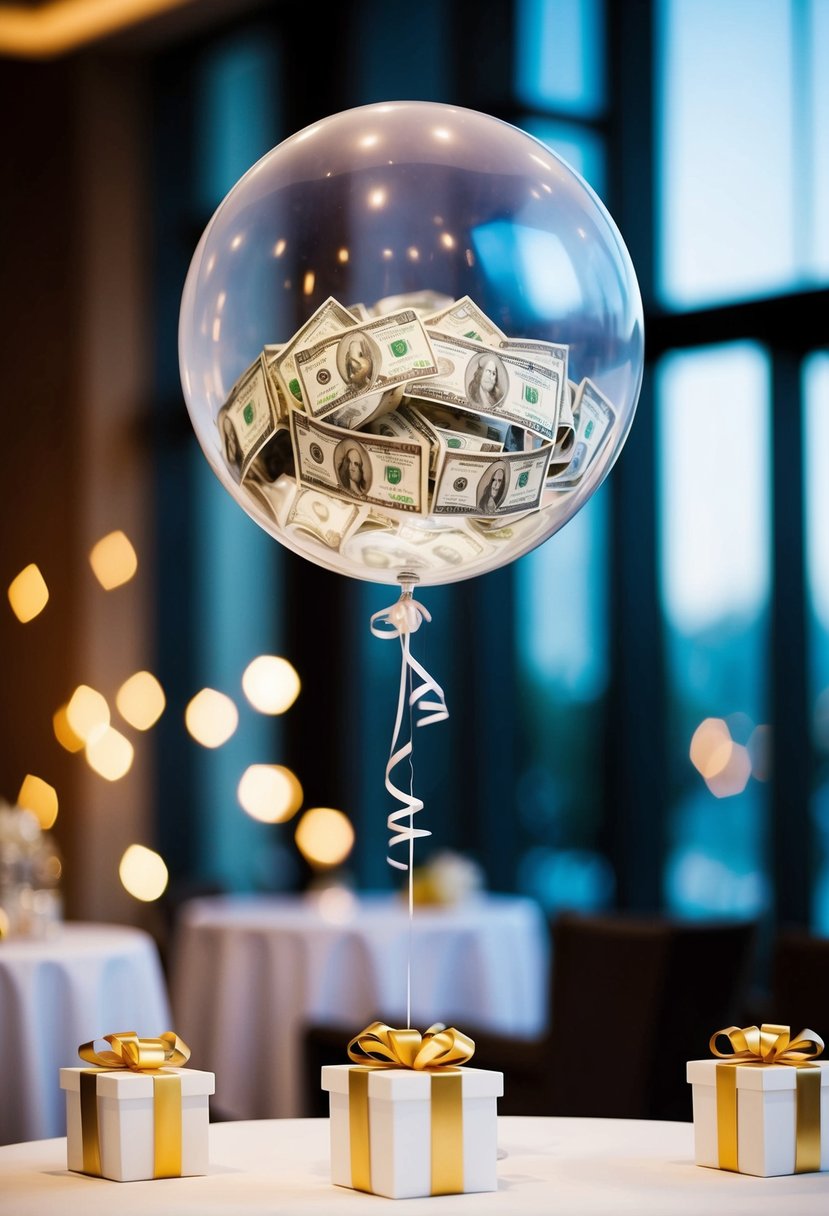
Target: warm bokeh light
point(113, 560)
point(733, 778)
point(110, 754)
point(211, 717)
point(64, 733)
point(143, 873)
point(324, 837)
point(141, 700)
point(308, 283)
point(28, 593)
point(336, 904)
point(759, 752)
point(269, 792)
point(271, 684)
point(711, 747)
point(39, 797)
point(87, 713)
point(342, 255)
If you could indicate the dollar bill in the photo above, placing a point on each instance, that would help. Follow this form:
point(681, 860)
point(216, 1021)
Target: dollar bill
point(247, 419)
point(359, 312)
point(464, 319)
point(324, 517)
point(389, 473)
point(594, 417)
point(504, 385)
point(330, 318)
point(412, 549)
point(555, 356)
point(369, 358)
point(476, 484)
point(365, 410)
point(274, 383)
point(421, 302)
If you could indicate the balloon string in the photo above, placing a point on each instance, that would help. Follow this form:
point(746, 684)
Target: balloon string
point(401, 620)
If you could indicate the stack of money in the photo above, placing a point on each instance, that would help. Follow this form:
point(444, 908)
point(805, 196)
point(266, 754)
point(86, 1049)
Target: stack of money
point(416, 416)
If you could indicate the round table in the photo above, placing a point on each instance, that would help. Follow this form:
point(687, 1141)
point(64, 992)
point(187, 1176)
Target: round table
point(576, 1167)
point(249, 973)
point(85, 981)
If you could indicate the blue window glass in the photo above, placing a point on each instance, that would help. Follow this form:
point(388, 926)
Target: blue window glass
point(582, 148)
point(728, 185)
point(561, 651)
point(714, 453)
point(816, 459)
point(812, 188)
point(559, 55)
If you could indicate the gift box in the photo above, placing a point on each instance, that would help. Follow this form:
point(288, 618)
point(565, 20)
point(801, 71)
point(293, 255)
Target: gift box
point(415, 1130)
point(131, 1123)
point(760, 1110)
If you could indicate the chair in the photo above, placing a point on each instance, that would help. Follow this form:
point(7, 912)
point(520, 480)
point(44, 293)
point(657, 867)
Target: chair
point(800, 983)
point(632, 1000)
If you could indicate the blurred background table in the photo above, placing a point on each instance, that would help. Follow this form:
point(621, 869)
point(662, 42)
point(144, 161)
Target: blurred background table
point(86, 981)
point(249, 974)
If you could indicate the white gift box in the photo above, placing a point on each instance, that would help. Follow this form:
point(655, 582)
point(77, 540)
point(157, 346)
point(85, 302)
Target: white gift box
point(126, 1123)
point(400, 1128)
point(766, 1116)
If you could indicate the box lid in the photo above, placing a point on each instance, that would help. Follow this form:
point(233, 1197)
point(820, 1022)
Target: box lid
point(405, 1084)
point(123, 1083)
point(752, 1076)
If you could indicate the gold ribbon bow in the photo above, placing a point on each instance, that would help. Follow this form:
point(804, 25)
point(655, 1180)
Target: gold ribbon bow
point(137, 1055)
point(437, 1047)
point(436, 1051)
point(761, 1046)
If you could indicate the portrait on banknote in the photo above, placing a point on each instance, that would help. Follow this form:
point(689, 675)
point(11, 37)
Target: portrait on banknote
point(492, 489)
point(357, 358)
point(486, 380)
point(353, 467)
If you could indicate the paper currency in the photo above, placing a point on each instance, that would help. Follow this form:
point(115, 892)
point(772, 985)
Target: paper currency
point(330, 318)
point(326, 518)
point(389, 473)
point(247, 419)
point(501, 384)
point(368, 358)
point(413, 549)
point(366, 410)
point(274, 383)
point(421, 302)
point(475, 484)
point(464, 319)
point(594, 416)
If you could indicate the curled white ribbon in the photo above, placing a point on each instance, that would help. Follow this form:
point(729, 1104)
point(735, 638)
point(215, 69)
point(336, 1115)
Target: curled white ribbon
point(401, 620)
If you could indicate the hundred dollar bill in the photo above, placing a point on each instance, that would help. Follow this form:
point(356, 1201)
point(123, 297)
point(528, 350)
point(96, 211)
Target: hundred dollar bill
point(553, 355)
point(365, 410)
point(501, 384)
point(464, 319)
point(247, 419)
point(388, 473)
point(274, 383)
point(330, 318)
point(445, 547)
point(368, 358)
point(326, 518)
point(594, 421)
point(359, 312)
point(475, 484)
point(421, 302)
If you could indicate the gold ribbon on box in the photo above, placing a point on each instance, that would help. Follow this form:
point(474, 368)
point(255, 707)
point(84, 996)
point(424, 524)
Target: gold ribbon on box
point(437, 1051)
point(137, 1055)
point(760, 1046)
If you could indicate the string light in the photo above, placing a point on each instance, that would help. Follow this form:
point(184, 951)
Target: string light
point(270, 793)
point(211, 717)
point(324, 837)
point(39, 797)
point(113, 560)
point(141, 700)
point(28, 594)
point(143, 873)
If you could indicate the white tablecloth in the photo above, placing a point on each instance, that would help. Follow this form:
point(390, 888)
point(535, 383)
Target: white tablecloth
point(547, 1167)
point(249, 974)
point(87, 981)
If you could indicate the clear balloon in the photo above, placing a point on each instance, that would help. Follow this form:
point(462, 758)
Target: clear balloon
point(411, 342)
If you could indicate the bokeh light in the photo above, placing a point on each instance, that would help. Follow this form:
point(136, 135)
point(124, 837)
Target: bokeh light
point(87, 713)
point(324, 837)
point(110, 754)
point(336, 904)
point(113, 560)
point(271, 684)
point(733, 777)
point(28, 594)
point(141, 700)
point(270, 793)
point(711, 747)
point(64, 733)
point(39, 797)
point(211, 717)
point(143, 873)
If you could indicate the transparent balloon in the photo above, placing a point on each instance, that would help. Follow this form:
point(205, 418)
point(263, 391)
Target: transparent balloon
point(411, 342)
